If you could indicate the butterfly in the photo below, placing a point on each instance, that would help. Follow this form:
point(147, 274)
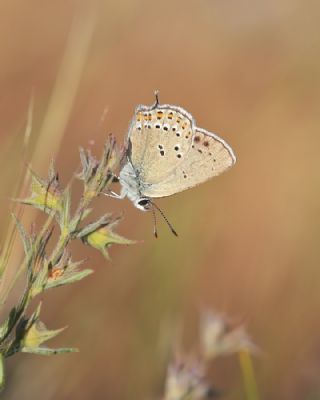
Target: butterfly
point(167, 153)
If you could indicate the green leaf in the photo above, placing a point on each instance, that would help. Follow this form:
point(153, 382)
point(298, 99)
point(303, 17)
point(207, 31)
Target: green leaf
point(100, 235)
point(7, 325)
point(105, 220)
point(39, 283)
point(47, 351)
point(98, 174)
point(88, 163)
point(80, 216)
point(68, 278)
point(37, 333)
point(35, 316)
point(45, 195)
point(65, 272)
point(64, 216)
point(26, 240)
point(2, 372)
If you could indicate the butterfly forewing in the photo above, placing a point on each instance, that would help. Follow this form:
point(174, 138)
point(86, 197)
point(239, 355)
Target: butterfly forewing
point(160, 138)
point(209, 156)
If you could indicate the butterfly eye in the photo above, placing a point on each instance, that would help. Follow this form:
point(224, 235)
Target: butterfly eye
point(143, 202)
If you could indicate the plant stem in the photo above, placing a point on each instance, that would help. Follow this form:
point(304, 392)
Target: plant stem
point(247, 370)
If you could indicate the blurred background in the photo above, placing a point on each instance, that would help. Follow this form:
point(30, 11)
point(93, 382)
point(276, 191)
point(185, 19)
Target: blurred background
point(248, 240)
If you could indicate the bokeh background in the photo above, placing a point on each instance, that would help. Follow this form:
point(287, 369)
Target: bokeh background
point(248, 241)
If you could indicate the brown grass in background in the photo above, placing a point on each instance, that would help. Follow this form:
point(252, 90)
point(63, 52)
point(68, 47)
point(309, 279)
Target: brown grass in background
point(248, 240)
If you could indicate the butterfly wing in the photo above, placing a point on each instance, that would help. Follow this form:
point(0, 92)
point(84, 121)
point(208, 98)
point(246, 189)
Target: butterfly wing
point(159, 138)
point(209, 156)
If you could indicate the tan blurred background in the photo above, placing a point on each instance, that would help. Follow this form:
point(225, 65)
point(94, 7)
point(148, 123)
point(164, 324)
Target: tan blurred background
point(248, 241)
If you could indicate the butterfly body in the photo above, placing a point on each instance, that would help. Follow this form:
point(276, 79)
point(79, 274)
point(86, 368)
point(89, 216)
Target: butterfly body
point(167, 153)
point(132, 187)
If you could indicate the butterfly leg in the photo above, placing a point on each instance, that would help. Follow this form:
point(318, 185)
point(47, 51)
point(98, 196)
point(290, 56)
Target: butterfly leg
point(110, 193)
point(114, 195)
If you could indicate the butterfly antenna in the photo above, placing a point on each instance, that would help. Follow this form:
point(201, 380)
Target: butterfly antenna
point(155, 230)
point(165, 218)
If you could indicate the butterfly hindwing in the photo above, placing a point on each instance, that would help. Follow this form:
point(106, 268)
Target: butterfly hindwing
point(209, 156)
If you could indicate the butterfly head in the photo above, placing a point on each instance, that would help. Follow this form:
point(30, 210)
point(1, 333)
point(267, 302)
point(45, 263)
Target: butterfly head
point(143, 203)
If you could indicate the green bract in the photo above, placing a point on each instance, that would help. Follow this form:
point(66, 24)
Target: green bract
point(45, 269)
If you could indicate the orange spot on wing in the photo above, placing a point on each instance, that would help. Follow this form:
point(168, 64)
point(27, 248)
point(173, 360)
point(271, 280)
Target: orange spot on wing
point(184, 125)
point(159, 114)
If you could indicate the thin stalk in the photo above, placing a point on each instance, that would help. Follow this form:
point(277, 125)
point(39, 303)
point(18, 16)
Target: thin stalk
point(23, 266)
point(248, 376)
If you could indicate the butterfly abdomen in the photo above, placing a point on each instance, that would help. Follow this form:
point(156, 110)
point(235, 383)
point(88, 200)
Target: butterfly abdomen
point(129, 182)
